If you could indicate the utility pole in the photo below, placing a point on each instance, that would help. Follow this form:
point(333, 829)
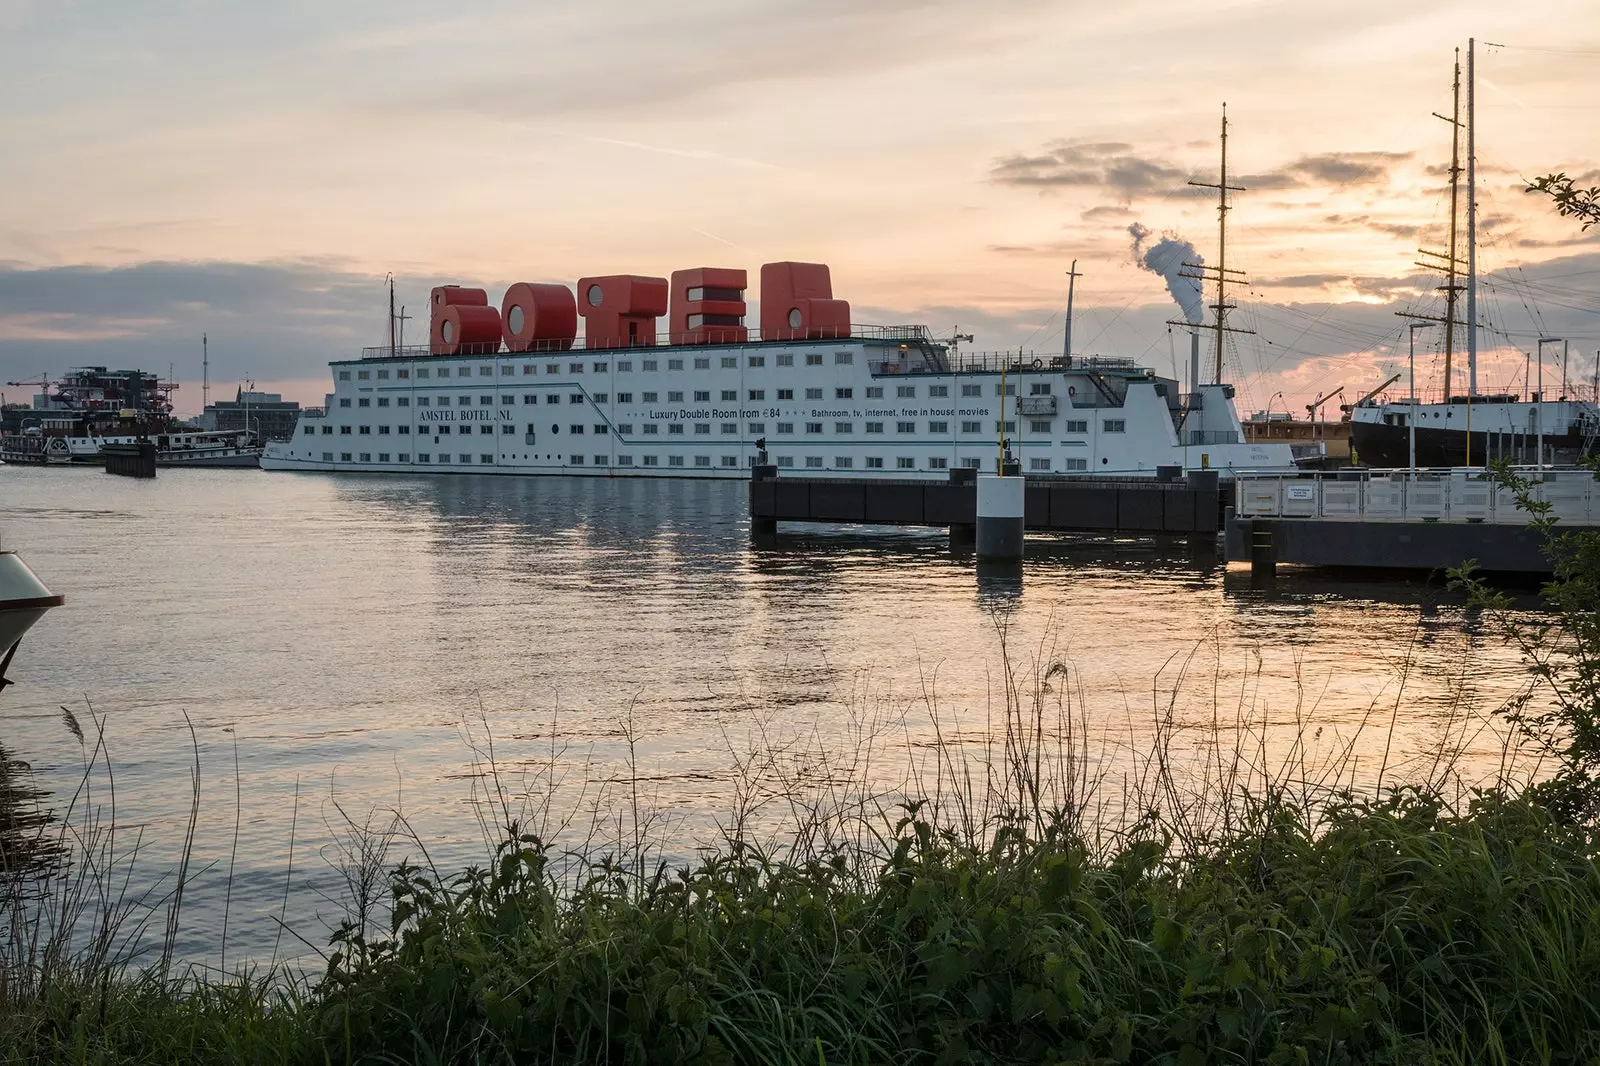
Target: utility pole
point(1472, 228)
point(1219, 274)
point(1066, 344)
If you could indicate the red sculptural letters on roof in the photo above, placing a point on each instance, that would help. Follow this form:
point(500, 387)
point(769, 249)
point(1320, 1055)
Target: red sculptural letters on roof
point(457, 296)
point(708, 306)
point(797, 303)
point(465, 329)
point(539, 317)
point(620, 310)
point(462, 322)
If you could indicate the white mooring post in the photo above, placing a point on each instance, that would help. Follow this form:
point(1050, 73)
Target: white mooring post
point(1000, 515)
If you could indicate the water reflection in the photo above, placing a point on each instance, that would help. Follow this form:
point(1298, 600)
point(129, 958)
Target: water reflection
point(29, 852)
point(345, 627)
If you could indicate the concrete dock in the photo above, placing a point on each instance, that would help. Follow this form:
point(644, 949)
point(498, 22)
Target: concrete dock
point(1402, 520)
point(1176, 505)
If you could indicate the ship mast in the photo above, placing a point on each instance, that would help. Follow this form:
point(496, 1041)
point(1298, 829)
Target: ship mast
point(1452, 288)
point(1220, 275)
point(205, 375)
point(392, 345)
point(1066, 343)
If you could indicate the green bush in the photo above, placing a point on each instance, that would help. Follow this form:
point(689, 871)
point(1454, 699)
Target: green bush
point(1400, 933)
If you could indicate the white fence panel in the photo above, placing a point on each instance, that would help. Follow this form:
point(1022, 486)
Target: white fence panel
point(1341, 499)
point(1299, 499)
point(1258, 496)
point(1386, 498)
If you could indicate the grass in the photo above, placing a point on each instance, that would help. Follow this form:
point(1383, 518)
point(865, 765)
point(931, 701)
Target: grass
point(1006, 901)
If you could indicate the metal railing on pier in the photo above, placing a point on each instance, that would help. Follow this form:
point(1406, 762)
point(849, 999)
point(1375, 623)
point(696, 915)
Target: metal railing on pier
point(1454, 495)
point(718, 337)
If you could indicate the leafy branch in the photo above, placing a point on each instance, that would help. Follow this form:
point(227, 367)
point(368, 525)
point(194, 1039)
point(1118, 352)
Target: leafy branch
point(1570, 201)
point(1558, 714)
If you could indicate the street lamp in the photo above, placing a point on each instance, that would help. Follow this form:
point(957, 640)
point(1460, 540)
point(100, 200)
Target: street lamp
point(1411, 407)
point(1275, 396)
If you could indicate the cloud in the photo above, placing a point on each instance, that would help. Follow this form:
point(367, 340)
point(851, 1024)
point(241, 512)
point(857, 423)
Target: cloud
point(1102, 164)
point(1303, 281)
point(1048, 248)
point(269, 321)
point(283, 321)
point(698, 51)
point(1107, 212)
point(1328, 168)
point(1117, 167)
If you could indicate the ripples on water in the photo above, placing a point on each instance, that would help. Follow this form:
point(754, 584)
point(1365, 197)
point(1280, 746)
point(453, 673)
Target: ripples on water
point(340, 630)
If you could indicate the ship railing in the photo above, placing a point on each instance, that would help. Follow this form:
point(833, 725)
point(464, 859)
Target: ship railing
point(706, 337)
point(1014, 362)
point(1196, 437)
point(1427, 495)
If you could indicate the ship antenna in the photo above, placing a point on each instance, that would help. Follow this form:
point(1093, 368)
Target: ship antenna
point(1218, 275)
point(402, 318)
point(1066, 343)
point(392, 352)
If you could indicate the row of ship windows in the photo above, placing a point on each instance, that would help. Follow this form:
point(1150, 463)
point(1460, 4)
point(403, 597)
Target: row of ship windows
point(874, 392)
point(812, 462)
point(755, 429)
point(624, 366)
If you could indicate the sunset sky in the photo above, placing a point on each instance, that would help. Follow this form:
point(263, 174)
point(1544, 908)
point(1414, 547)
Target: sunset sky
point(253, 171)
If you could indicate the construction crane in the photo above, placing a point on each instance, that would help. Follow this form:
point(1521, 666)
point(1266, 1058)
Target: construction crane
point(1345, 407)
point(955, 338)
point(1314, 405)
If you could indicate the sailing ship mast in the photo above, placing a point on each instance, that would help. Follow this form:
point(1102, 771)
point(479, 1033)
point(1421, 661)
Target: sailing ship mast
point(1452, 288)
point(1219, 275)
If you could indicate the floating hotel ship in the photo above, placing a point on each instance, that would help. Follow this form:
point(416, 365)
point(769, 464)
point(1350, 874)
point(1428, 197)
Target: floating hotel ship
point(514, 390)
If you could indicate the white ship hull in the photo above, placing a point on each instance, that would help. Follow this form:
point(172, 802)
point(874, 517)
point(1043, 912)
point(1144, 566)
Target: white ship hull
point(863, 406)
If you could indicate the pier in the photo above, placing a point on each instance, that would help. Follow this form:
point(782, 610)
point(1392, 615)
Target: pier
point(136, 459)
point(1169, 504)
point(1402, 520)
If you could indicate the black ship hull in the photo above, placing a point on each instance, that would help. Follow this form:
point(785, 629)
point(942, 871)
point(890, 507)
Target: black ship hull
point(1378, 445)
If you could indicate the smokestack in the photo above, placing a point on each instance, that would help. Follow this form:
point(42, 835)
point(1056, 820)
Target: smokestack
point(1167, 258)
point(1194, 361)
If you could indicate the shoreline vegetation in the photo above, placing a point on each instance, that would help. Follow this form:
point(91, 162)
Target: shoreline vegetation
point(1008, 901)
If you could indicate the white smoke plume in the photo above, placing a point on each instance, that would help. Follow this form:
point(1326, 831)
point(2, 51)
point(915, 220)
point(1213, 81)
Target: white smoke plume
point(1166, 257)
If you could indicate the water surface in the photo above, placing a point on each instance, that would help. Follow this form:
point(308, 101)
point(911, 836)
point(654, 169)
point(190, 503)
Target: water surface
point(343, 634)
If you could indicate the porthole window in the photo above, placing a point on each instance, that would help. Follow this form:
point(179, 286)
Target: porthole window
point(595, 296)
point(795, 318)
